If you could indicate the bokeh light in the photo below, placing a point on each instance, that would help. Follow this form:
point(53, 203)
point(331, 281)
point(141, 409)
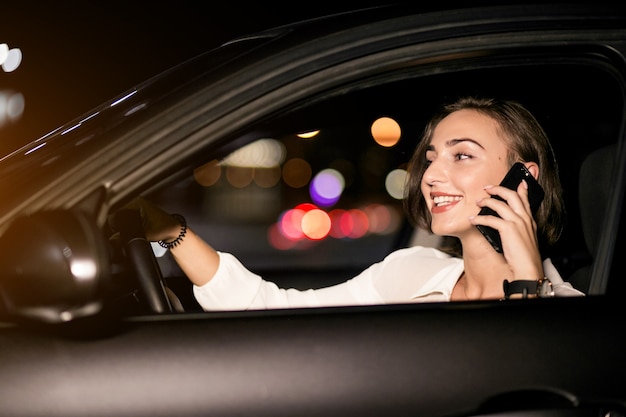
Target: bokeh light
point(4, 52)
point(395, 183)
point(277, 238)
point(265, 163)
point(379, 217)
point(315, 224)
point(290, 224)
point(308, 135)
point(386, 131)
point(263, 153)
point(267, 177)
point(360, 223)
point(10, 58)
point(12, 103)
point(297, 172)
point(208, 174)
point(239, 177)
point(326, 187)
point(307, 222)
point(336, 216)
point(11, 106)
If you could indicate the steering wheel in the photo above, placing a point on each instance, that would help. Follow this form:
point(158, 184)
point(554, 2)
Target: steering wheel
point(140, 255)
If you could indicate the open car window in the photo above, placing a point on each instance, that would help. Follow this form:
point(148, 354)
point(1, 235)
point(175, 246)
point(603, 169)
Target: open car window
point(316, 195)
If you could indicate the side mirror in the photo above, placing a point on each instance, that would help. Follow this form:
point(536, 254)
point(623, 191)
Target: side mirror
point(54, 266)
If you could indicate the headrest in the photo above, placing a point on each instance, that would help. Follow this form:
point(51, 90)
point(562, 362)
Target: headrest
point(594, 192)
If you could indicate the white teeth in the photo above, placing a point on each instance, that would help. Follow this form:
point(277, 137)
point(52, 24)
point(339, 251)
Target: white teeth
point(443, 200)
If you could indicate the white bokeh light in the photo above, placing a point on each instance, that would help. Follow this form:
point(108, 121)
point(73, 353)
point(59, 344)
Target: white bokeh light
point(11, 106)
point(15, 106)
point(11, 103)
point(12, 59)
point(394, 183)
point(4, 52)
point(263, 153)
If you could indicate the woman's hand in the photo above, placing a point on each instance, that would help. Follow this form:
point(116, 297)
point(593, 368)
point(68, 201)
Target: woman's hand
point(198, 260)
point(517, 228)
point(157, 223)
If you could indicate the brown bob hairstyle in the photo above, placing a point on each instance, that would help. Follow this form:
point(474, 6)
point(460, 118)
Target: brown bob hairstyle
point(526, 141)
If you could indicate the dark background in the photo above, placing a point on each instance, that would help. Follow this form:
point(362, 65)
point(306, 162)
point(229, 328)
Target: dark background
point(78, 54)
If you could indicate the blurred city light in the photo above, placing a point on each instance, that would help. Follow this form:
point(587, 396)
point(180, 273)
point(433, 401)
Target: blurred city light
point(11, 106)
point(394, 183)
point(326, 187)
point(267, 177)
point(386, 131)
point(297, 172)
point(306, 221)
point(208, 174)
point(4, 52)
point(266, 164)
point(239, 177)
point(263, 153)
point(308, 135)
point(290, 223)
point(10, 58)
point(315, 224)
point(12, 103)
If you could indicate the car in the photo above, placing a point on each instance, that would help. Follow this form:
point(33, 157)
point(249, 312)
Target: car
point(265, 129)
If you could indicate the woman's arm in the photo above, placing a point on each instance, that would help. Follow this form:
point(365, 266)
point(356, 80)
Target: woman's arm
point(221, 282)
point(198, 260)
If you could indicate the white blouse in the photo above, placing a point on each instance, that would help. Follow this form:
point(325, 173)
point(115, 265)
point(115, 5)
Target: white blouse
point(414, 274)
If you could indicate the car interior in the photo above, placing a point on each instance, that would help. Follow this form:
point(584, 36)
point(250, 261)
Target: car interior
point(238, 207)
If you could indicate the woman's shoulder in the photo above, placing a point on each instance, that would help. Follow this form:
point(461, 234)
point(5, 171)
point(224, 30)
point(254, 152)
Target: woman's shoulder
point(419, 258)
point(416, 271)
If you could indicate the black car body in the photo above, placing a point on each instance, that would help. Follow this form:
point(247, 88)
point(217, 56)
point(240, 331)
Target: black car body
point(107, 340)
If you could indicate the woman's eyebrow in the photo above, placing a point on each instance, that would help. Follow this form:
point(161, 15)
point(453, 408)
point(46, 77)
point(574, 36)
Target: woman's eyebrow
point(452, 142)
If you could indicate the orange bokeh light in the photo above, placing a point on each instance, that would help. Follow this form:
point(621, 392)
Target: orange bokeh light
point(386, 131)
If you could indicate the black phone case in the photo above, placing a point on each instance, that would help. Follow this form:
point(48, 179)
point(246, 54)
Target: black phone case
point(512, 179)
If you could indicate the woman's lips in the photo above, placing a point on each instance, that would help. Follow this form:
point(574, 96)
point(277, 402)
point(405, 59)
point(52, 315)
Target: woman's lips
point(443, 203)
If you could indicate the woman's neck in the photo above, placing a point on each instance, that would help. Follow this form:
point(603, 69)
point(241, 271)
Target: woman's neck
point(485, 270)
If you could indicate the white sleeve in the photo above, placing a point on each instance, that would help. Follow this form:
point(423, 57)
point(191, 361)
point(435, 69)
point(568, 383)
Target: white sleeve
point(233, 287)
point(560, 287)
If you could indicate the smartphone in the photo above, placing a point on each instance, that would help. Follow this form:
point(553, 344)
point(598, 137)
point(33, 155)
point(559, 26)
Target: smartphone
point(512, 179)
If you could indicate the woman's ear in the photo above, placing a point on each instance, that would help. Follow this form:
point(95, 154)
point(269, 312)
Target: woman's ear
point(533, 168)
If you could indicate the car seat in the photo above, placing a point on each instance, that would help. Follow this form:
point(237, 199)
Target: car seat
point(593, 196)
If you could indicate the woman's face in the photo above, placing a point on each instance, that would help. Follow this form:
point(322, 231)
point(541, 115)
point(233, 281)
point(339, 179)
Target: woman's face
point(465, 155)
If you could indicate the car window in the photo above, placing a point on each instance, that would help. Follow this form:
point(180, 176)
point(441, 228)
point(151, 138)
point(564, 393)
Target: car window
point(317, 194)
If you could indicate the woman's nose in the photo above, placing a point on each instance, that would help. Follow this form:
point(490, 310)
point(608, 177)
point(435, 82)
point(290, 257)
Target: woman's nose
point(434, 173)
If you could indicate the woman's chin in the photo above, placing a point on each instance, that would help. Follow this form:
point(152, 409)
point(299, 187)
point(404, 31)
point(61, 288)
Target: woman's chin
point(442, 231)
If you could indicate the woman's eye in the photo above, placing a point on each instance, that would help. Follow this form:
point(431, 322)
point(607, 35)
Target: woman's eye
point(460, 156)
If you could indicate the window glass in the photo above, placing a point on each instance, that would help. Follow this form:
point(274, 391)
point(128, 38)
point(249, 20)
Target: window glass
point(317, 196)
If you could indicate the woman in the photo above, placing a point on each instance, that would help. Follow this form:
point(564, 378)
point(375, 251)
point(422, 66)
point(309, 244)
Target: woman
point(466, 150)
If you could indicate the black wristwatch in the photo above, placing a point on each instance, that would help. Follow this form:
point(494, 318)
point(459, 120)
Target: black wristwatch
point(541, 288)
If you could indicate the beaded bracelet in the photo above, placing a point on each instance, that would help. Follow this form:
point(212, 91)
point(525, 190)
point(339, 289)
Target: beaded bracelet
point(183, 232)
